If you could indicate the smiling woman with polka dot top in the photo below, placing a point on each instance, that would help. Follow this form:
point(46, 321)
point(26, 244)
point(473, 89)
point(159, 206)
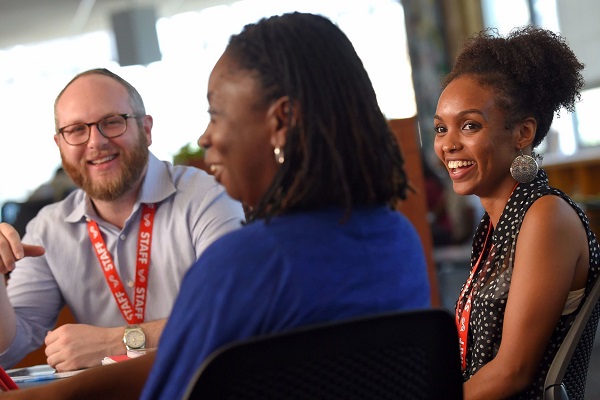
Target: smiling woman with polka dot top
point(534, 256)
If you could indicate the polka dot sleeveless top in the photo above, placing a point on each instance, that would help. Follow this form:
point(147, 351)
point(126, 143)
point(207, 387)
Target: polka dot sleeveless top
point(491, 283)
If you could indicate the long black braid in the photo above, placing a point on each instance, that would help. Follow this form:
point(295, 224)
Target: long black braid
point(339, 149)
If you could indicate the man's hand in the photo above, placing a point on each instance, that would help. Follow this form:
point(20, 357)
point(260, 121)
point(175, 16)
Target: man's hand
point(11, 248)
point(76, 346)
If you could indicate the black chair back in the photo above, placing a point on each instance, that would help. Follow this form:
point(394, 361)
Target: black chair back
point(567, 376)
point(405, 355)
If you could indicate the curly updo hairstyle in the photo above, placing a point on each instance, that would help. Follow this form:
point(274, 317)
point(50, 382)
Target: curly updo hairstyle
point(533, 71)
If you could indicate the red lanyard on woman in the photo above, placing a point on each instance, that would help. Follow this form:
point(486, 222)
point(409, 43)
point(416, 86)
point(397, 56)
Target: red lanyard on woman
point(133, 315)
point(463, 317)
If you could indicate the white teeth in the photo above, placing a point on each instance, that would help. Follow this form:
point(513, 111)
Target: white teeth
point(459, 164)
point(103, 160)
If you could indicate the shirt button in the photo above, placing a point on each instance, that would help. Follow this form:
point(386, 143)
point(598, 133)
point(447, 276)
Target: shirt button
point(130, 283)
point(122, 237)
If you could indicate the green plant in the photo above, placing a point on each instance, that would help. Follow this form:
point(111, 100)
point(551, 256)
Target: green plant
point(188, 155)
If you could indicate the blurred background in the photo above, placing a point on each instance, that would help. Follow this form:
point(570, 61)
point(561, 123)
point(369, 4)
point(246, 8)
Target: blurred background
point(167, 49)
point(44, 43)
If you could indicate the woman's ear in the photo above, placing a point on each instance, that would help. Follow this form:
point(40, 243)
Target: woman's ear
point(526, 134)
point(283, 117)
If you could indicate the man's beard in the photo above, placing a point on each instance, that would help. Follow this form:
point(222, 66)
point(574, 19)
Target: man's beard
point(133, 164)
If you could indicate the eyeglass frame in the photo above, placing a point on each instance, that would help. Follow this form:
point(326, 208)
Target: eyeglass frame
point(90, 124)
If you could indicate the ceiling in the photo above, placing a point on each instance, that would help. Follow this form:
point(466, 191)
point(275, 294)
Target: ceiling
point(31, 21)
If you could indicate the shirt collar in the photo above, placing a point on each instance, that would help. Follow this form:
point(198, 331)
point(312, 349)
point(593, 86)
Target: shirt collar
point(157, 185)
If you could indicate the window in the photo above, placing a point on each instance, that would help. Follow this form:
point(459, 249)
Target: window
point(32, 75)
point(586, 118)
point(570, 132)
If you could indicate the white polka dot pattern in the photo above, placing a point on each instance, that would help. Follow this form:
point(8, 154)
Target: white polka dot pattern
point(491, 284)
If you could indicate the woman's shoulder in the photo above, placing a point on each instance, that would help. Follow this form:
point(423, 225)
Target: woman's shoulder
point(552, 206)
point(250, 238)
point(555, 214)
point(310, 226)
point(553, 203)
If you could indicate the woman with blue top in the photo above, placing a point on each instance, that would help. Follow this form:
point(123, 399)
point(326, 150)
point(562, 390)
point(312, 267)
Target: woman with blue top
point(295, 134)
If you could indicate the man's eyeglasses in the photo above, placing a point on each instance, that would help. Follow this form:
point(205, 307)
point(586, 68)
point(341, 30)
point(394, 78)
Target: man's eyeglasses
point(110, 127)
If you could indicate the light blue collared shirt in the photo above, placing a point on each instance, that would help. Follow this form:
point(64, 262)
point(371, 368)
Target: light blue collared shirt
point(193, 210)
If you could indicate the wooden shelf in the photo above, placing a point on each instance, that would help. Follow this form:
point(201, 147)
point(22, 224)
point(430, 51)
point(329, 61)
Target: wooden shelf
point(578, 176)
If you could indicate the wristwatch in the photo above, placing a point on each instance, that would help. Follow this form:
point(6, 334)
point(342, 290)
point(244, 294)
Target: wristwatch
point(134, 337)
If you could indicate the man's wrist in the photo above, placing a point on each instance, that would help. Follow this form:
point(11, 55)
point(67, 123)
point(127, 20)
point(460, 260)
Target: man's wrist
point(134, 337)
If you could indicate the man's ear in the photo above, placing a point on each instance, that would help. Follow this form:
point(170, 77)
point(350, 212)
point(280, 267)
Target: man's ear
point(526, 134)
point(147, 123)
point(283, 116)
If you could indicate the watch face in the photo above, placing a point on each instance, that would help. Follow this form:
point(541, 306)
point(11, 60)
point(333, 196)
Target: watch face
point(135, 339)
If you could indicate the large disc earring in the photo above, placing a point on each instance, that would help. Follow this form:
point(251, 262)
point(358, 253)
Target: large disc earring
point(524, 168)
point(279, 158)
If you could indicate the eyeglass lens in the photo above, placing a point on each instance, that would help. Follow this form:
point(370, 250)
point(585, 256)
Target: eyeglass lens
point(110, 127)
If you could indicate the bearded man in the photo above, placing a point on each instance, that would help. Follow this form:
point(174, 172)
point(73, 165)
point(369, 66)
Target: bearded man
point(117, 248)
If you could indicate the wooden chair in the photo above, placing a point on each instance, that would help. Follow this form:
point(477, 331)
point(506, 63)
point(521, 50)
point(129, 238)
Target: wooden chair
point(402, 355)
point(415, 206)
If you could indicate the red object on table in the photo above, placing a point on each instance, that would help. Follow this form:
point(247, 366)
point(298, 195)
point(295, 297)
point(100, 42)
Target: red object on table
point(6, 382)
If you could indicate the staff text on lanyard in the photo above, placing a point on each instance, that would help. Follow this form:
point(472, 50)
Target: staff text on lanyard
point(133, 314)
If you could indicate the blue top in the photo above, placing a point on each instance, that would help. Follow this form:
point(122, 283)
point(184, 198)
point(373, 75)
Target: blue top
point(296, 270)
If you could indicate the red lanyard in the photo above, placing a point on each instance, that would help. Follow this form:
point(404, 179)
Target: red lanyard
point(462, 318)
point(132, 315)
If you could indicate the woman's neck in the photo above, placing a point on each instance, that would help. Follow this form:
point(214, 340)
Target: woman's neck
point(494, 205)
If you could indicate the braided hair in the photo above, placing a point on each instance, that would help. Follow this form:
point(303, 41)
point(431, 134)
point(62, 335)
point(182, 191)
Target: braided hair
point(339, 149)
point(533, 71)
